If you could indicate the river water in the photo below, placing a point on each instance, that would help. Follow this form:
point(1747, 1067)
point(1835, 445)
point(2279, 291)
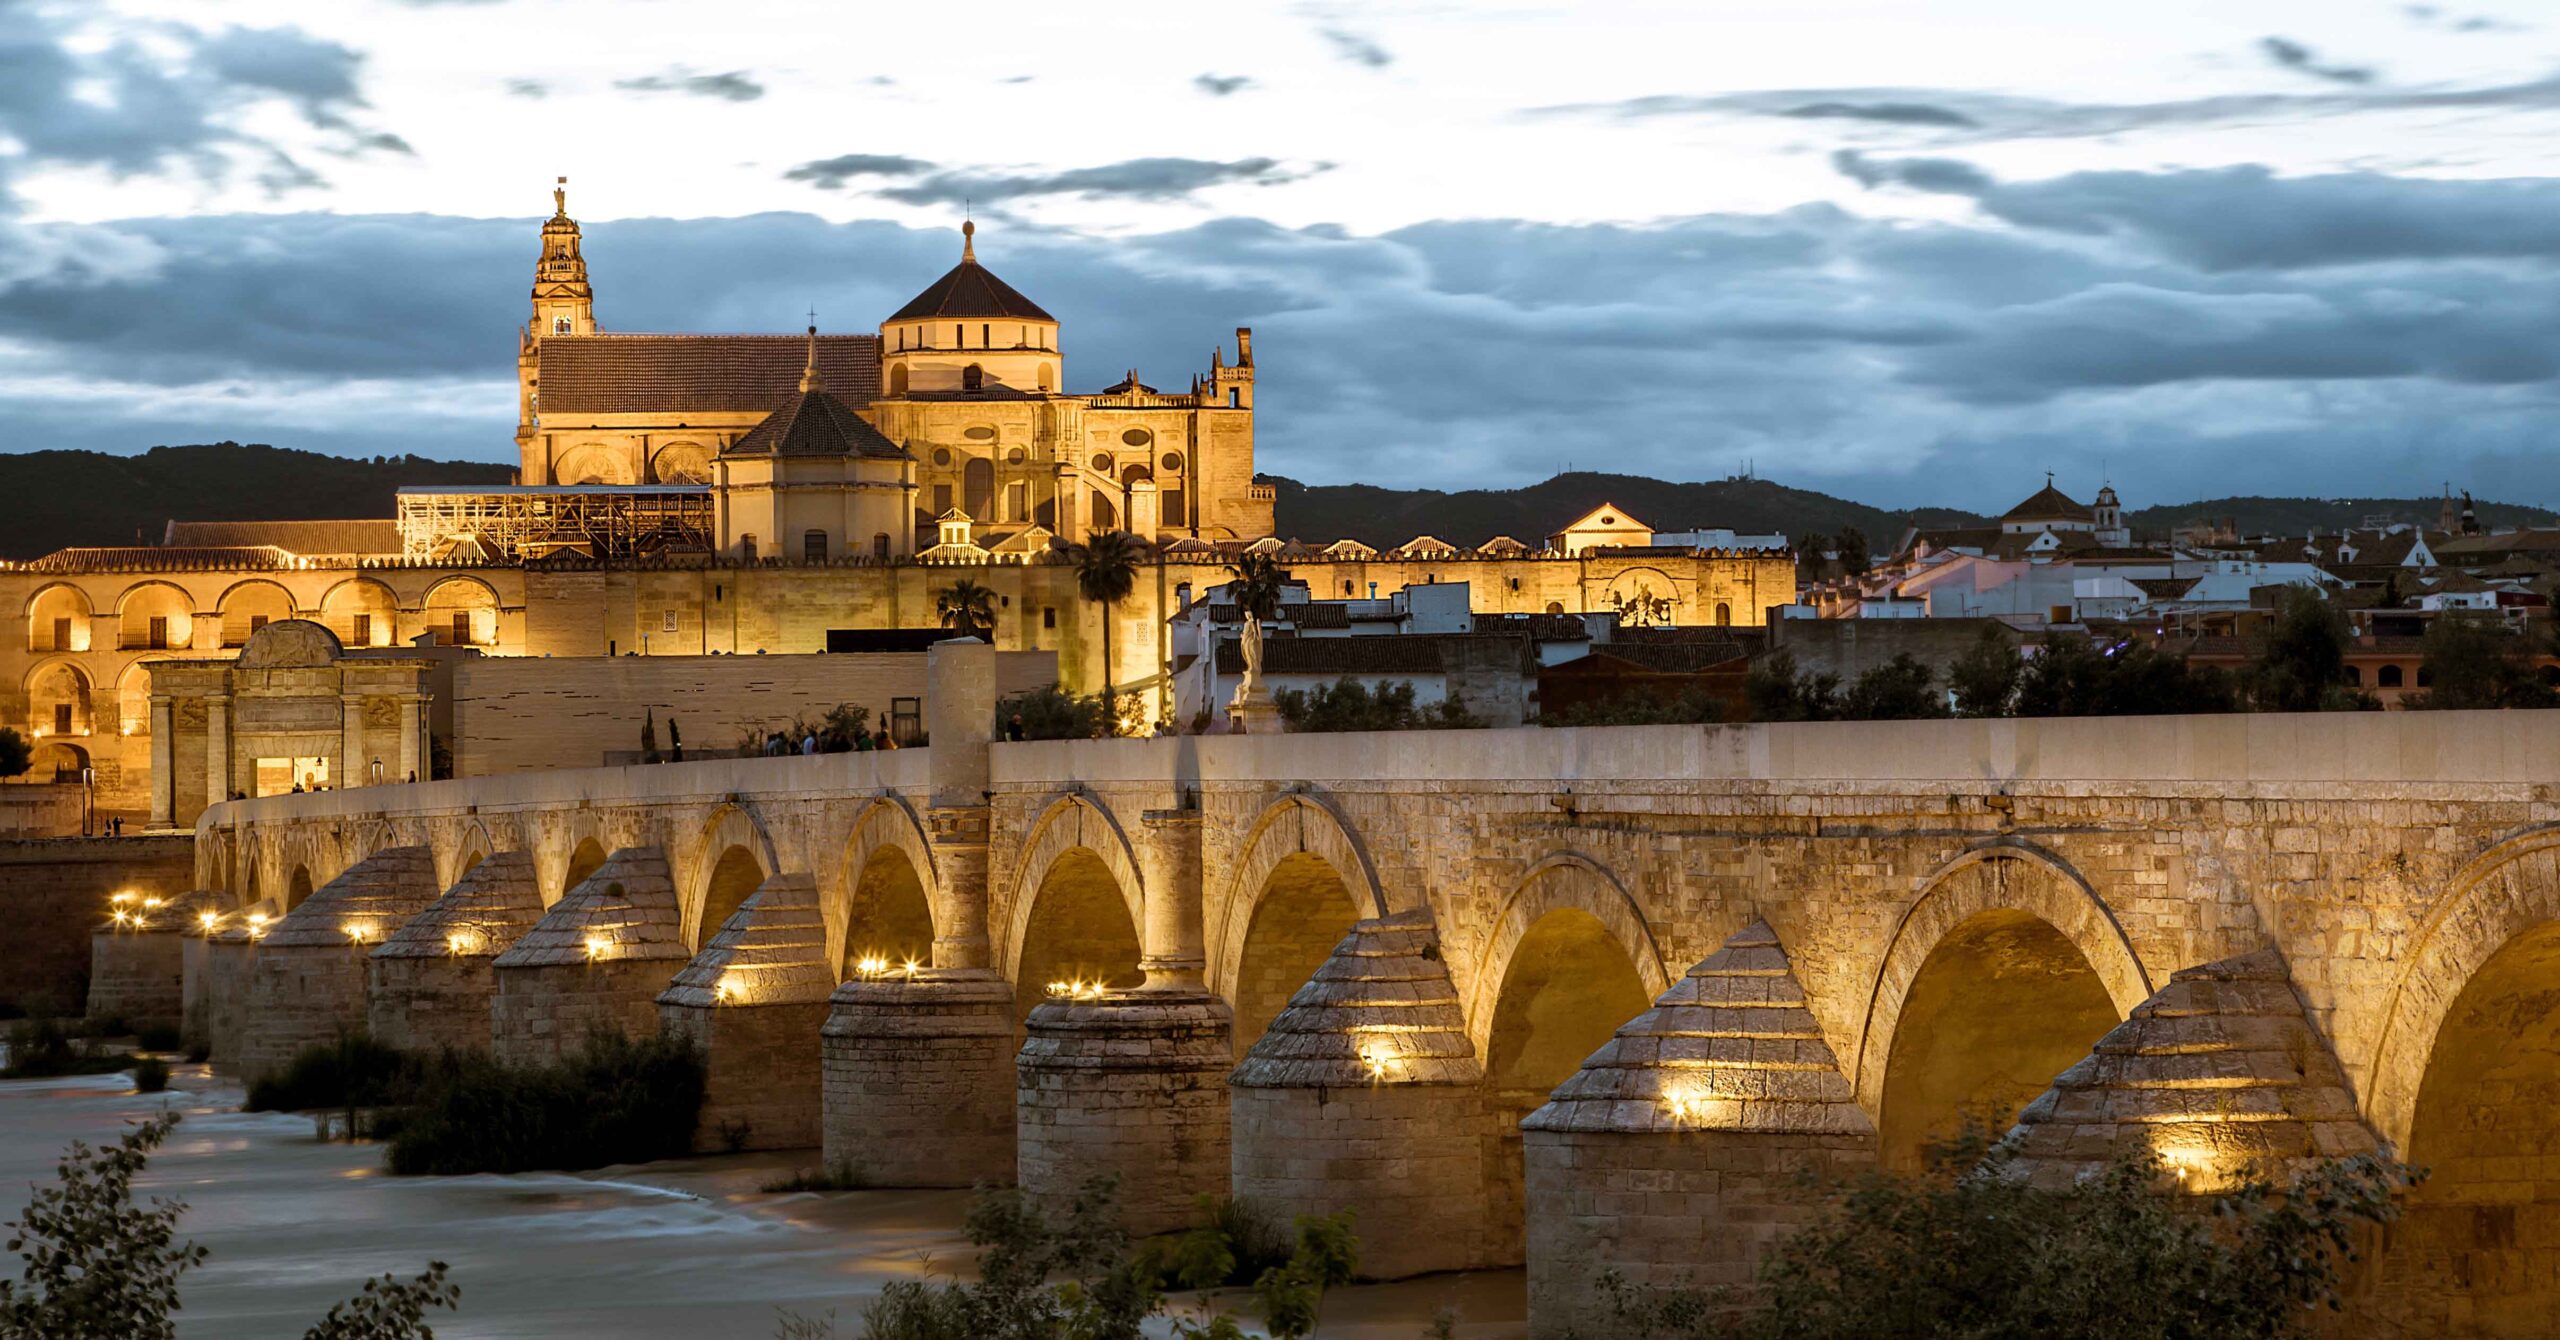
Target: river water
point(686, 1249)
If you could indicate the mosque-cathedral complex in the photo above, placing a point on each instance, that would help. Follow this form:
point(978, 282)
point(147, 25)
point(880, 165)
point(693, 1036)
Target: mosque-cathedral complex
point(695, 494)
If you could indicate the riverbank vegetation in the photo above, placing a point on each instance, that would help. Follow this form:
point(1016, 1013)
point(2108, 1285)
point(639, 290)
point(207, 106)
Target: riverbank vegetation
point(614, 1100)
point(94, 1266)
point(1971, 1248)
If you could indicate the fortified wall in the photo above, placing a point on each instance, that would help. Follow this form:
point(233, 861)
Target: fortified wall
point(1654, 970)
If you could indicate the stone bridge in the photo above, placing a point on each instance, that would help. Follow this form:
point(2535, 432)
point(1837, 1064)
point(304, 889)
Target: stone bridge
point(1335, 971)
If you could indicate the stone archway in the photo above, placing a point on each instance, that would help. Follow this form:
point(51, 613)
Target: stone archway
point(1301, 911)
point(732, 857)
point(888, 894)
point(1069, 824)
point(1294, 831)
point(1077, 906)
point(2002, 975)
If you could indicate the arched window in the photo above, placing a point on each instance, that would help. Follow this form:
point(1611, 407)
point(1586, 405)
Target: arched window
point(898, 380)
point(559, 325)
point(959, 335)
point(1555, 607)
point(2355, 676)
point(2388, 677)
point(813, 546)
point(1724, 615)
point(972, 378)
point(1048, 377)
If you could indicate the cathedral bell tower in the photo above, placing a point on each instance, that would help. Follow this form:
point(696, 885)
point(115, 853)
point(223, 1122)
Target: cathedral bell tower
point(563, 304)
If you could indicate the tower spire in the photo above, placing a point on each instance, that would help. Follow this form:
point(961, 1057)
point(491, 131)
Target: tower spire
point(969, 241)
point(809, 378)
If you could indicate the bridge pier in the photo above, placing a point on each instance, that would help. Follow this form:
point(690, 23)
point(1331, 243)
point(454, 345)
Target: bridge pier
point(1365, 1094)
point(219, 966)
point(594, 964)
point(138, 965)
point(307, 985)
point(919, 1078)
point(1673, 1155)
point(1132, 1084)
point(752, 1002)
point(430, 985)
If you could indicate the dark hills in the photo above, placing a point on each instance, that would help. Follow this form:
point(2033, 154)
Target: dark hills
point(67, 498)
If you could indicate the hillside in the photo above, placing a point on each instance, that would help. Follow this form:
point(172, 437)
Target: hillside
point(2297, 516)
point(70, 498)
point(1323, 513)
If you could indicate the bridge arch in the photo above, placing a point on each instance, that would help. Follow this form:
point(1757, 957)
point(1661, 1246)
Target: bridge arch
point(473, 847)
point(2004, 942)
point(587, 853)
point(889, 898)
point(1301, 879)
point(1077, 903)
point(2466, 1083)
point(731, 857)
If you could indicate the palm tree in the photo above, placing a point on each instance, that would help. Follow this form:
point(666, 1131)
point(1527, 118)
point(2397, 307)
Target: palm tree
point(967, 609)
point(1259, 579)
point(1106, 569)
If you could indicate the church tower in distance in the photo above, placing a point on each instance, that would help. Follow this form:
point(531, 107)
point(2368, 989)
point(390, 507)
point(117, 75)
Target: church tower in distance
point(563, 304)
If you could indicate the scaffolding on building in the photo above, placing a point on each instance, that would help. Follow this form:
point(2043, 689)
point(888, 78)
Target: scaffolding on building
point(515, 523)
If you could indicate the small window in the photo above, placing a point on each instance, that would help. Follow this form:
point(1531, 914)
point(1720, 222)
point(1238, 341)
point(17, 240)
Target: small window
point(2388, 677)
point(747, 547)
point(813, 546)
point(880, 546)
point(256, 622)
point(62, 633)
point(363, 630)
point(1346, 588)
point(559, 325)
point(906, 720)
point(1235, 398)
point(462, 628)
point(1555, 607)
point(2355, 676)
point(986, 341)
point(1048, 616)
point(973, 378)
point(1515, 583)
point(1724, 615)
point(959, 335)
point(62, 718)
point(898, 380)
point(666, 621)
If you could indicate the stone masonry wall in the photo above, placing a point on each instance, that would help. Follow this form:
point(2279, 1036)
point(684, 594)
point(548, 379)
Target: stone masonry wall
point(919, 1080)
point(1404, 1158)
point(542, 1014)
point(1134, 1086)
point(137, 975)
point(761, 1085)
point(53, 893)
point(430, 1004)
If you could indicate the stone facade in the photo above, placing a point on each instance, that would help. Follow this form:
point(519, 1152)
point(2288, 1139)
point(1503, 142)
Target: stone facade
point(429, 987)
point(137, 961)
point(307, 986)
point(753, 1001)
point(1130, 1085)
point(919, 1079)
point(594, 964)
point(54, 892)
point(220, 969)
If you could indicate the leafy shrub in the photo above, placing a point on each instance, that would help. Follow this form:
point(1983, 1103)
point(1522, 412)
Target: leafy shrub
point(841, 1175)
point(159, 1035)
point(97, 1268)
point(615, 1101)
point(1969, 1248)
point(1053, 713)
point(150, 1075)
point(102, 1026)
point(1347, 704)
point(42, 1049)
point(1234, 1244)
point(354, 1071)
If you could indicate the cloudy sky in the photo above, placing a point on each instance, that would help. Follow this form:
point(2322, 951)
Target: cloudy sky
point(1905, 252)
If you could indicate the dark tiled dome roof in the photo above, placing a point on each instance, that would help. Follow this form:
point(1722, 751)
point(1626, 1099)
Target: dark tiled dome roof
point(971, 291)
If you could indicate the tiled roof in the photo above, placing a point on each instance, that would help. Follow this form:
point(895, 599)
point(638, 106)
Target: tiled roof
point(972, 291)
point(815, 424)
point(132, 558)
point(357, 536)
point(2048, 504)
point(654, 374)
point(1379, 1010)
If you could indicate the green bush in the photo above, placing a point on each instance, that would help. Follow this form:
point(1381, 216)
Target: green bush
point(615, 1101)
point(42, 1049)
point(1348, 704)
point(1052, 713)
point(150, 1075)
point(354, 1071)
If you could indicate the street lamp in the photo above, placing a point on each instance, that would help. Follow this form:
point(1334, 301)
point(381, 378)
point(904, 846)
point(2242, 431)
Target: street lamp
point(88, 799)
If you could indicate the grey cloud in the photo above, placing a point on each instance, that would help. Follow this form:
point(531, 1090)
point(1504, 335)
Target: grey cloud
point(1357, 49)
point(1132, 179)
point(108, 99)
point(1220, 85)
point(728, 86)
point(2294, 56)
point(529, 88)
point(828, 174)
point(1962, 117)
point(1938, 176)
point(1886, 113)
point(2124, 315)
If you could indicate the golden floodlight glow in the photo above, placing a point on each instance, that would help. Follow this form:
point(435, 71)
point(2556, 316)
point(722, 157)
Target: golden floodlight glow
point(124, 897)
point(872, 965)
point(122, 917)
point(597, 945)
point(727, 990)
point(257, 924)
point(152, 902)
point(1378, 1058)
point(462, 942)
point(1691, 1104)
point(1076, 989)
point(360, 931)
point(910, 967)
point(209, 920)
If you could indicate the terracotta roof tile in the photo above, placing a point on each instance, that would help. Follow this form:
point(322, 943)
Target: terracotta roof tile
point(642, 374)
point(971, 290)
point(357, 536)
point(815, 424)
